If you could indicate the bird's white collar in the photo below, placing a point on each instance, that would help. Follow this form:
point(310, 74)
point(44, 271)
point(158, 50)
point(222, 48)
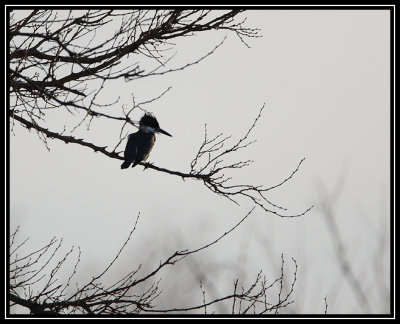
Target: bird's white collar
point(147, 129)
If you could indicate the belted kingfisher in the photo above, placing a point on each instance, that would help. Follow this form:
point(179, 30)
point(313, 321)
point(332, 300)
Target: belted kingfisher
point(140, 144)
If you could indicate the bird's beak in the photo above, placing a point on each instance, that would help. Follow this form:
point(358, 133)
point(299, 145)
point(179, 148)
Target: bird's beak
point(159, 130)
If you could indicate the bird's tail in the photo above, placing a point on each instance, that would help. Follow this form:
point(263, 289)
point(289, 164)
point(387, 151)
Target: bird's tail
point(125, 165)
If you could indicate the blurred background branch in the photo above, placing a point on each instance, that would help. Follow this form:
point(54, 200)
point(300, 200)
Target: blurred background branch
point(126, 295)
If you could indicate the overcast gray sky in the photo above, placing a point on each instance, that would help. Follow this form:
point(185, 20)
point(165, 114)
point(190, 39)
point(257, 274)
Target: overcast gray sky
point(324, 76)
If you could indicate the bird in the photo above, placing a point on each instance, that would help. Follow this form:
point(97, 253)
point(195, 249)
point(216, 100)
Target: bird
point(141, 143)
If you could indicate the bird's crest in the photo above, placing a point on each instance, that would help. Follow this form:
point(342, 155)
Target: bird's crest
point(149, 120)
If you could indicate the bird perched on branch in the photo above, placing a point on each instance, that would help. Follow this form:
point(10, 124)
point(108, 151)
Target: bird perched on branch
point(140, 144)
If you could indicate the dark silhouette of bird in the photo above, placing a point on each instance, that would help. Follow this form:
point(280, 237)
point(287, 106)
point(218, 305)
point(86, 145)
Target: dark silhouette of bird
point(141, 143)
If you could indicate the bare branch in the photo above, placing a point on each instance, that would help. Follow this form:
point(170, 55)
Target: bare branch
point(94, 297)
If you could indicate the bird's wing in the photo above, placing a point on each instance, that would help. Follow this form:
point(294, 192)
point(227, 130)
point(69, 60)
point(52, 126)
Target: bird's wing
point(131, 148)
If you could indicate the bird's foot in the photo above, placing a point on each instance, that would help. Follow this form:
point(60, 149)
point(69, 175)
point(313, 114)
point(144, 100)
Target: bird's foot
point(146, 165)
